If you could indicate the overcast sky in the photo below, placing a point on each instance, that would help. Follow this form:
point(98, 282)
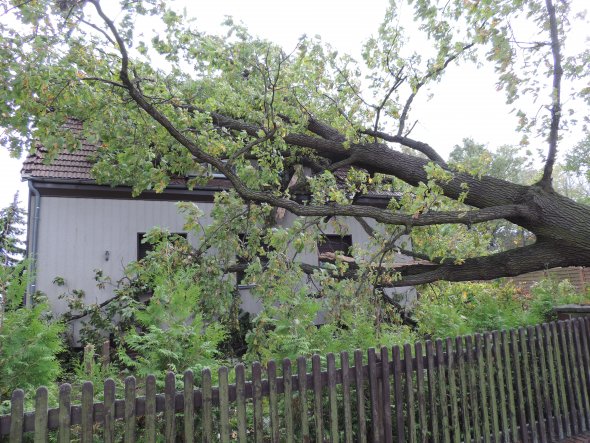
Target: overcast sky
point(465, 104)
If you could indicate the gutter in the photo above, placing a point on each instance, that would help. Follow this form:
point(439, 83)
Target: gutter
point(32, 248)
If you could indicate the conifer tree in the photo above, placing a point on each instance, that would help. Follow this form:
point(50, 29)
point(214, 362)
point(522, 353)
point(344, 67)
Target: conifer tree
point(12, 222)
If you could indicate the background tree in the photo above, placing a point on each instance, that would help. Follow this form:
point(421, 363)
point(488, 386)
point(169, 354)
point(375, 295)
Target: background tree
point(261, 116)
point(30, 340)
point(12, 222)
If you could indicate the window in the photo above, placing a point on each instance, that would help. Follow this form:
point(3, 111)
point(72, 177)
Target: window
point(333, 245)
point(143, 248)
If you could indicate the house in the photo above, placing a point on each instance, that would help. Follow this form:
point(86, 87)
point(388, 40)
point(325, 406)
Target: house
point(77, 226)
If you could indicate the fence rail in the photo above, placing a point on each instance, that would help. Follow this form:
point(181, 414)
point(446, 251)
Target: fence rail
point(529, 385)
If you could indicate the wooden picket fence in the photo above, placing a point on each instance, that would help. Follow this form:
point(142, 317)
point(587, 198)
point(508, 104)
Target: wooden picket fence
point(524, 385)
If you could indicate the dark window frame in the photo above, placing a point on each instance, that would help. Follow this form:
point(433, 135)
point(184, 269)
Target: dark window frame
point(333, 243)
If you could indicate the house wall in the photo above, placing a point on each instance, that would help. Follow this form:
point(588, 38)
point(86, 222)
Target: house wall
point(76, 233)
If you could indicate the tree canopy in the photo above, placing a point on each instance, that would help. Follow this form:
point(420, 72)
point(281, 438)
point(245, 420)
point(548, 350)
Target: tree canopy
point(281, 124)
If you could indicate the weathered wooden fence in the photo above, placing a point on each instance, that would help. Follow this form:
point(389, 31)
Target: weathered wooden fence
point(525, 385)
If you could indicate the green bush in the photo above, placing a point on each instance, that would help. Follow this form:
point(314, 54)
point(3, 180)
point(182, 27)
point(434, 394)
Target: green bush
point(550, 293)
point(451, 309)
point(29, 340)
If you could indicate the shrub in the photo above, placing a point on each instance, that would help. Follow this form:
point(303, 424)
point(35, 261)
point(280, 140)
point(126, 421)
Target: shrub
point(29, 340)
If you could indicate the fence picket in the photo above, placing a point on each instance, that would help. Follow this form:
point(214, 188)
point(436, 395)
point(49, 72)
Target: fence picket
point(464, 398)
point(561, 380)
point(545, 394)
point(568, 380)
point(332, 398)
point(454, 420)
point(130, 421)
point(41, 415)
point(420, 392)
point(499, 364)
point(189, 406)
point(207, 413)
point(483, 399)
point(150, 409)
point(316, 375)
point(585, 330)
point(241, 402)
point(526, 372)
point(374, 395)
point(409, 391)
point(65, 404)
point(273, 403)
point(169, 408)
point(386, 396)
point(509, 383)
point(473, 387)
point(398, 393)
point(576, 371)
point(345, 367)
point(257, 400)
point(360, 396)
point(223, 404)
point(17, 416)
point(302, 385)
point(582, 351)
point(442, 382)
point(87, 412)
point(540, 414)
point(288, 400)
point(554, 394)
point(491, 371)
point(432, 395)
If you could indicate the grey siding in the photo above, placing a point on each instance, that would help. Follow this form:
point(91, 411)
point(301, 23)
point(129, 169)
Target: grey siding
point(76, 233)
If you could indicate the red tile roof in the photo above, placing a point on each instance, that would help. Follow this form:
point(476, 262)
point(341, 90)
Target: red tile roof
point(76, 165)
point(67, 165)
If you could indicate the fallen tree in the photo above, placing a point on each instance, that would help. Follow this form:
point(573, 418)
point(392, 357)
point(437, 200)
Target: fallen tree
point(262, 116)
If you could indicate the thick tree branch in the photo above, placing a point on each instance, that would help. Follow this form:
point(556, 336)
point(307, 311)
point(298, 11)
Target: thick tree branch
point(542, 255)
point(324, 130)
point(424, 148)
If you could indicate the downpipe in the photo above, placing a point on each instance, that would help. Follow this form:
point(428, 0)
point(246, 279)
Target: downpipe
point(32, 250)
